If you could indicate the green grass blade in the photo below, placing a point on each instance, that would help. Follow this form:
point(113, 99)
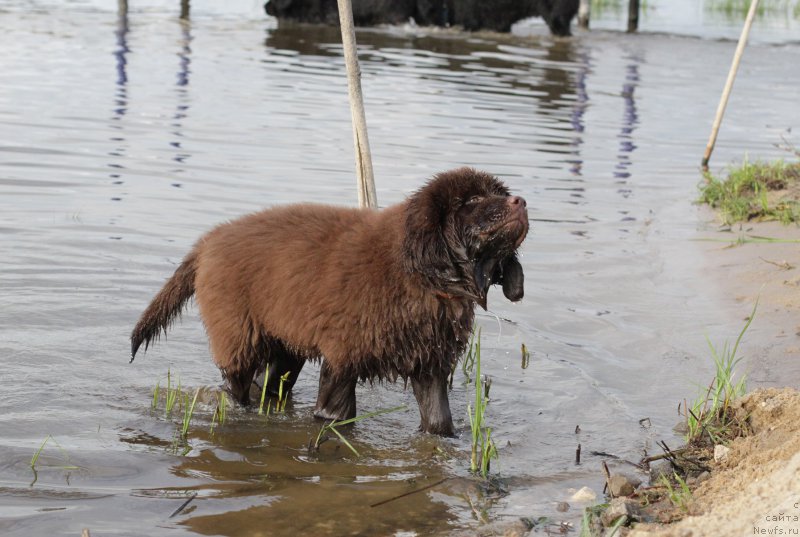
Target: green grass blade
point(333, 424)
point(39, 452)
point(187, 414)
point(371, 414)
point(343, 439)
point(264, 390)
point(154, 406)
point(612, 530)
point(280, 406)
point(61, 449)
point(746, 326)
point(222, 407)
point(321, 431)
point(586, 523)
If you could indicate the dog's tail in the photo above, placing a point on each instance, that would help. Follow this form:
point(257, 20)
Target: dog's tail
point(166, 305)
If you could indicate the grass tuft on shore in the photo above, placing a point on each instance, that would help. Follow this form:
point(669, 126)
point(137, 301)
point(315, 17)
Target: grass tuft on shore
point(711, 417)
point(755, 191)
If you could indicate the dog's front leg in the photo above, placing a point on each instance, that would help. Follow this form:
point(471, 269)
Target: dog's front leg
point(336, 399)
point(434, 408)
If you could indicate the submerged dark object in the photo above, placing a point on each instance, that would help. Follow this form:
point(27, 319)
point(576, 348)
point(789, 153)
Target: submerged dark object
point(497, 15)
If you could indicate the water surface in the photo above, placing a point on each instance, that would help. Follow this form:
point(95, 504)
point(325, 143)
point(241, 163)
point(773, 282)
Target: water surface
point(124, 136)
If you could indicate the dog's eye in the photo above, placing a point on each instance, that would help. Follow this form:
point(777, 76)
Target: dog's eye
point(474, 199)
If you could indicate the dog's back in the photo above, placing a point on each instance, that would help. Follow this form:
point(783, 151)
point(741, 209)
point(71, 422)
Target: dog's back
point(327, 280)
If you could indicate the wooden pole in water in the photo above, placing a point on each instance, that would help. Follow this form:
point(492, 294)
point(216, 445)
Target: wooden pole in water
point(584, 12)
point(633, 16)
point(726, 92)
point(366, 179)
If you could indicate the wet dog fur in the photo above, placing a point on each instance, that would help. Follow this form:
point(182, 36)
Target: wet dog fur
point(374, 294)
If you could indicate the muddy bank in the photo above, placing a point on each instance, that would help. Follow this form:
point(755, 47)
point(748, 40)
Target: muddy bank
point(755, 490)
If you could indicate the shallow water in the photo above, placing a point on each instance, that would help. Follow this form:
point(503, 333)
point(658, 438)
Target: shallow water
point(124, 137)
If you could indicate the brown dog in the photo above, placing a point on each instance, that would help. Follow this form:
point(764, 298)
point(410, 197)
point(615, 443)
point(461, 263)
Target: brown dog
point(374, 294)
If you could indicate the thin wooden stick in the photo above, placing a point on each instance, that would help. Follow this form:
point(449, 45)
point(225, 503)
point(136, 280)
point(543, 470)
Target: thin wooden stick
point(184, 504)
point(660, 456)
point(723, 101)
point(409, 493)
point(607, 487)
point(633, 16)
point(584, 13)
point(366, 179)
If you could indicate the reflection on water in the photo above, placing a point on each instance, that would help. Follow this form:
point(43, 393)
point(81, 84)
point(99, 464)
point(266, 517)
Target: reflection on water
point(629, 121)
point(121, 93)
point(182, 90)
point(117, 134)
point(255, 476)
point(151, 127)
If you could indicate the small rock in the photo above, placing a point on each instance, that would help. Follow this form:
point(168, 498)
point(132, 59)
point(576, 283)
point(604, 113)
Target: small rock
point(562, 507)
point(703, 476)
point(518, 528)
point(681, 427)
point(721, 453)
point(622, 485)
point(620, 507)
point(659, 470)
point(585, 494)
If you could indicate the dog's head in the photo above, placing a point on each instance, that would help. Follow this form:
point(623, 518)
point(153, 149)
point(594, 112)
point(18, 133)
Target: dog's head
point(462, 232)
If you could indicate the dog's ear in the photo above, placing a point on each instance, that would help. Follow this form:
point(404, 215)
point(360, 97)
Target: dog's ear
point(426, 246)
point(509, 273)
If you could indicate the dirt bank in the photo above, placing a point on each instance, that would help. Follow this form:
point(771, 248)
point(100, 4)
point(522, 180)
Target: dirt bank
point(756, 490)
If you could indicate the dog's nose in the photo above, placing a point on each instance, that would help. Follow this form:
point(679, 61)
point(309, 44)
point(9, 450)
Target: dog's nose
point(515, 201)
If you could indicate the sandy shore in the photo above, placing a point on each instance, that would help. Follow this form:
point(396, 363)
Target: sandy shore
point(756, 490)
point(770, 270)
